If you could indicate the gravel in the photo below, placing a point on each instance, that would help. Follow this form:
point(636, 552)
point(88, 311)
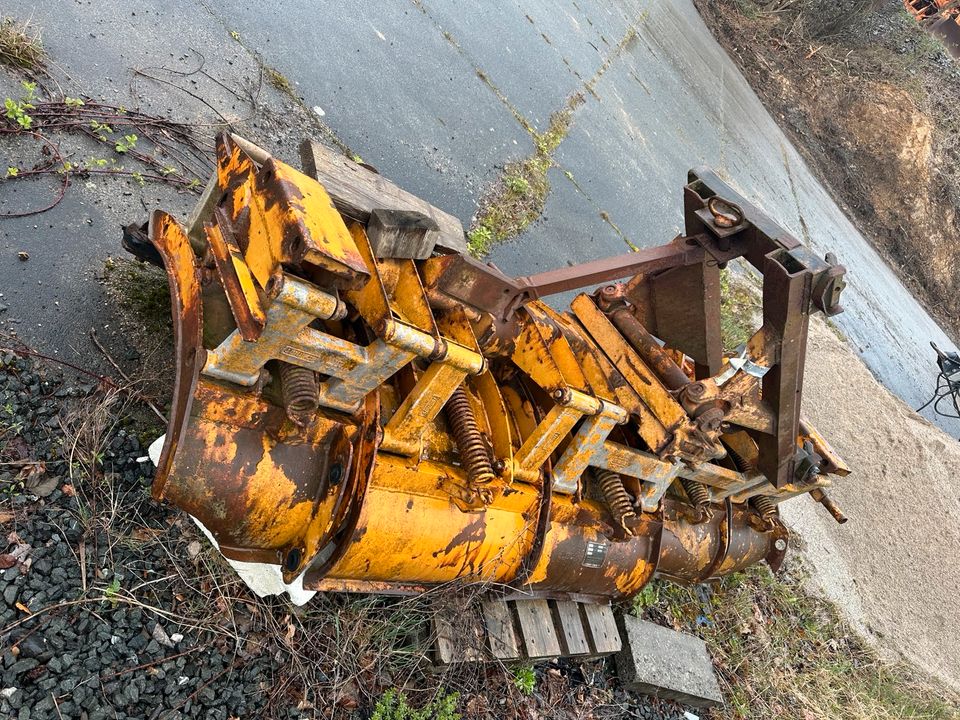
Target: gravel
point(125, 634)
point(98, 658)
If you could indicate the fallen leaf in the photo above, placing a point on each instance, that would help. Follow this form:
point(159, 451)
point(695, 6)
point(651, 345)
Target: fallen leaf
point(144, 534)
point(24, 608)
point(193, 549)
point(18, 449)
point(69, 490)
point(37, 485)
point(7, 561)
point(348, 696)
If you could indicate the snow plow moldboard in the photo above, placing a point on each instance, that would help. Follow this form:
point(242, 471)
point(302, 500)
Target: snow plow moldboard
point(367, 409)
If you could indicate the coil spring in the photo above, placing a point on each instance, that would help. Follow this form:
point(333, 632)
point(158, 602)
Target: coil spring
point(765, 506)
point(616, 497)
point(473, 451)
point(696, 492)
point(300, 391)
point(743, 465)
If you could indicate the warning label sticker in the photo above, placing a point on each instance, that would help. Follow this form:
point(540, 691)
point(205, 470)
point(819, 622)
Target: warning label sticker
point(595, 554)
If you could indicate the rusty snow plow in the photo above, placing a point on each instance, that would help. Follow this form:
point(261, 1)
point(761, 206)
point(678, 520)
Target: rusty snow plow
point(370, 412)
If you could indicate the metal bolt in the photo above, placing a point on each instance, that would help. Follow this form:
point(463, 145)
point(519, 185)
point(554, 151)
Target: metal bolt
point(780, 544)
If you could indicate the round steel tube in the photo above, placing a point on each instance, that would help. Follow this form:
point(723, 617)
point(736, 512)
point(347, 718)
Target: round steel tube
point(649, 349)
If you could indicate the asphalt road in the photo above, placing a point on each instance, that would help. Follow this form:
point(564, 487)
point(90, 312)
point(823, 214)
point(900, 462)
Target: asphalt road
point(407, 86)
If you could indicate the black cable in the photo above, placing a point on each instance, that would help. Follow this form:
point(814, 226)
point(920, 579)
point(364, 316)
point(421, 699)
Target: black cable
point(946, 388)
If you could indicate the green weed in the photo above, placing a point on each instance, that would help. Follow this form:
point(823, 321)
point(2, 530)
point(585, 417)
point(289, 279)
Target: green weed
point(524, 678)
point(393, 705)
point(16, 110)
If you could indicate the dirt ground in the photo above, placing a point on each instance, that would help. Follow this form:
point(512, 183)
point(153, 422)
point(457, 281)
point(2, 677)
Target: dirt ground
point(893, 568)
point(873, 102)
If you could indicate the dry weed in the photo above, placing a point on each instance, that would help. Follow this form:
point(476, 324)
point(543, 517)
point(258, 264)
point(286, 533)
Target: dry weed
point(20, 45)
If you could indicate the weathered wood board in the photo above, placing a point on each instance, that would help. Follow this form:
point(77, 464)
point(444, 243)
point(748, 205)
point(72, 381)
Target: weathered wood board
point(601, 626)
point(357, 191)
point(501, 636)
point(526, 629)
point(572, 634)
point(537, 629)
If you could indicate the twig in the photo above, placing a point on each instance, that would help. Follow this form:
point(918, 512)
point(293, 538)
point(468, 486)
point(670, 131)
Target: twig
point(226, 122)
point(83, 565)
point(24, 352)
point(144, 398)
point(151, 663)
point(63, 185)
point(56, 705)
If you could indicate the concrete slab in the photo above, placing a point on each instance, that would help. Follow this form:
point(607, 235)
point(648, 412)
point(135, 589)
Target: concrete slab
point(537, 52)
point(392, 88)
point(523, 64)
point(658, 661)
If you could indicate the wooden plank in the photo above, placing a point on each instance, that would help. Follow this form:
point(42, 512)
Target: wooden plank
point(458, 635)
point(536, 629)
point(356, 191)
point(567, 620)
point(501, 636)
point(601, 626)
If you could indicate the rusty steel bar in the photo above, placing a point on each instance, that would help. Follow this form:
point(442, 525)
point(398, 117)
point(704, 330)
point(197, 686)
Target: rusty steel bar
point(683, 251)
point(650, 350)
point(820, 495)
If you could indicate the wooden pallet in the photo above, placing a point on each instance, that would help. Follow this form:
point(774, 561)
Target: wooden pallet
point(524, 629)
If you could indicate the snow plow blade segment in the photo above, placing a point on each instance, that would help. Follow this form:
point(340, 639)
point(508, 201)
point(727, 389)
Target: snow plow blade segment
point(388, 424)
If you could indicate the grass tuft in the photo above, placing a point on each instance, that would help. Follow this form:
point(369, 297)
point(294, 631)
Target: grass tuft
point(278, 80)
point(20, 45)
point(520, 193)
point(740, 308)
point(783, 653)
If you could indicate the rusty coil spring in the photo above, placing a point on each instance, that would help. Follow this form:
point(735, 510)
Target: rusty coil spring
point(765, 506)
point(617, 498)
point(742, 464)
point(473, 451)
point(697, 493)
point(301, 395)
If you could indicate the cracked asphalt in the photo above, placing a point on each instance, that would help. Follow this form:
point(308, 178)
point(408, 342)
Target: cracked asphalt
point(400, 84)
